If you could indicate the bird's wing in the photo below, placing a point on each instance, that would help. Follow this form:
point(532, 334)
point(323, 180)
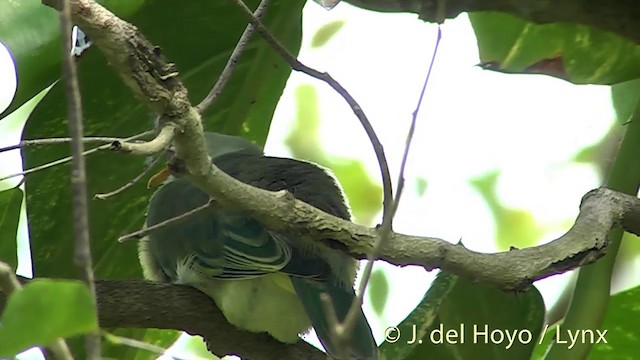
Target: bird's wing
point(248, 250)
point(220, 243)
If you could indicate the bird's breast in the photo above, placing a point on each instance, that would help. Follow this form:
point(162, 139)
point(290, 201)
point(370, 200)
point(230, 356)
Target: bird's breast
point(264, 304)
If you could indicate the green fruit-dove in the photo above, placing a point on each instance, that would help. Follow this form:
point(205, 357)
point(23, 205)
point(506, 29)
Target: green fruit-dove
point(263, 281)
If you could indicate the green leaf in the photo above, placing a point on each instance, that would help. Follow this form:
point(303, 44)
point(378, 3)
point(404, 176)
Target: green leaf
point(245, 108)
point(43, 311)
point(621, 323)
point(625, 98)
point(481, 322)
point(580, 54)
point(421, 186)
point(10, 204)
point(31, 32)
point(400, 341)
point(619, 330)
point(365, 195)
point(494, 324)
point(326, 33)
point(378, 290)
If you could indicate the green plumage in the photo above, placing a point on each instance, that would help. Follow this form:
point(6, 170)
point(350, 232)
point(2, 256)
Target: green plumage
point(261, 280)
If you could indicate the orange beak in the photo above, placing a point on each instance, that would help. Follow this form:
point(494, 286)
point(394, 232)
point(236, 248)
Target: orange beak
point(159, 178)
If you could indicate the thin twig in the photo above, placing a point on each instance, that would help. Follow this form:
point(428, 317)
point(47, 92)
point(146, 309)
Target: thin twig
point(117, 191)
point(335, 327)
point(159, 143)
point(8, 284)
point(169, 222)
point(323, 76)
point(141, 345)
point(68, 158)
point(387, 220)
point(232, 62)
point(412, 128)
point(60, 140)
point(82, 248)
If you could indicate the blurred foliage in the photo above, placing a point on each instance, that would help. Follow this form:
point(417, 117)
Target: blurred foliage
point(378, 290)
point(44, 310)
point(326, 33)
point(365, 195)
point(577, 53)
point(514, 227)
point(601, 154)
point(421, 186)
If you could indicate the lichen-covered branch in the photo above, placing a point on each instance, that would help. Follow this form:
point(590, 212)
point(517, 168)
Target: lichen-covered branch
point(583, 243)
point(160, 143)
point(155, 82)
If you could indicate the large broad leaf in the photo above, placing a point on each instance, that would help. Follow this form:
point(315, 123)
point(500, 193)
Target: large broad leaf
point(617, 338)
point(10, 202)
point(621, 325)
point(580, 54)
point(481, 322)
point(45, 310)
point(198, 36)
point(31, 31)
point(402, 340)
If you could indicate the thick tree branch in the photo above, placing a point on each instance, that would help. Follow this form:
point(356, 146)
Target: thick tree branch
point(620, 17)
point(155, 81)
point(143, 304)
point(585, 242)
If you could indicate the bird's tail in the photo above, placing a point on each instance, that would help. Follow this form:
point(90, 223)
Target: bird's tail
point(361, 345)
